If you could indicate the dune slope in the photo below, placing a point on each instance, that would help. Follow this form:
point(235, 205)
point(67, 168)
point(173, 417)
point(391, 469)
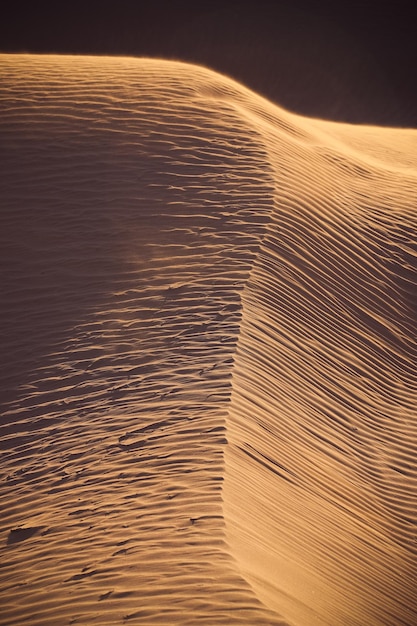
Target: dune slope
point(323, 409)
point(208, 378)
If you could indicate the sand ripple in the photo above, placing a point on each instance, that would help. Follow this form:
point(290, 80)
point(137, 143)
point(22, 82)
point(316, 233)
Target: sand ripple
point(208, 333)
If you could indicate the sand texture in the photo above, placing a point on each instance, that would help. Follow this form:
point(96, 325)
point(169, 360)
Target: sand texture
point(208, 373)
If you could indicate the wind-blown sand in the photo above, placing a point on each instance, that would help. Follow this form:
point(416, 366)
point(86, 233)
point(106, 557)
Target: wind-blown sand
point(209, 354)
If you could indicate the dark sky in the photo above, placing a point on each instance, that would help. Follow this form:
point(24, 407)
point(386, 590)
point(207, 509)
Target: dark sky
point(355, 61)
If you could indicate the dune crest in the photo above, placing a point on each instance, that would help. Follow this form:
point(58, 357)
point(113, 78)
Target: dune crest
point(322, 414)
point(208, 378)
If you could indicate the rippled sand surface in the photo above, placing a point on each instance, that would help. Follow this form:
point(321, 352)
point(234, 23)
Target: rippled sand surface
point(208, 374)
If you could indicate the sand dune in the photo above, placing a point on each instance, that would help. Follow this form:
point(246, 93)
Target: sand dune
point(209, 344)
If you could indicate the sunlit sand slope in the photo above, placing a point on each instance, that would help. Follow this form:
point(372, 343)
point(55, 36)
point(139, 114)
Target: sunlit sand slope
point(321, 468)
point(208, 336)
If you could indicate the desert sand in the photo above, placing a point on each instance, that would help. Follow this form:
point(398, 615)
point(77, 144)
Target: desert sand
point(208, 374)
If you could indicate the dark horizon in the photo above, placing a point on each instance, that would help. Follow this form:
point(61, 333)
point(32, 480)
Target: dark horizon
point(353, 63)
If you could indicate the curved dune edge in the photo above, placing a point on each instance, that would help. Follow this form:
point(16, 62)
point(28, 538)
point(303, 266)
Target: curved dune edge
point(146, 202)
point(320, 485)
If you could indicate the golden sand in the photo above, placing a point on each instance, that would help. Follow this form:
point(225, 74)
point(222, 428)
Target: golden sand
point(208, 376)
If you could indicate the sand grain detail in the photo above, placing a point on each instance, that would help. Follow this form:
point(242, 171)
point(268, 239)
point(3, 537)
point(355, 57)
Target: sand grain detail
point(208, 387)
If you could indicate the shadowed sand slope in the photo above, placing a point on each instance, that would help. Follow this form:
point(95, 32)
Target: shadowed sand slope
point(208, 336)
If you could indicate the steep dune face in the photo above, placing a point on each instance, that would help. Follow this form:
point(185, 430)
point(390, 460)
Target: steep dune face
point(208, 382)
point(323, 409)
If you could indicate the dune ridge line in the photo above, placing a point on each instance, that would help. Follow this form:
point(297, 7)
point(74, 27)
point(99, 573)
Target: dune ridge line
point(320, 482)
point(208, 383)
